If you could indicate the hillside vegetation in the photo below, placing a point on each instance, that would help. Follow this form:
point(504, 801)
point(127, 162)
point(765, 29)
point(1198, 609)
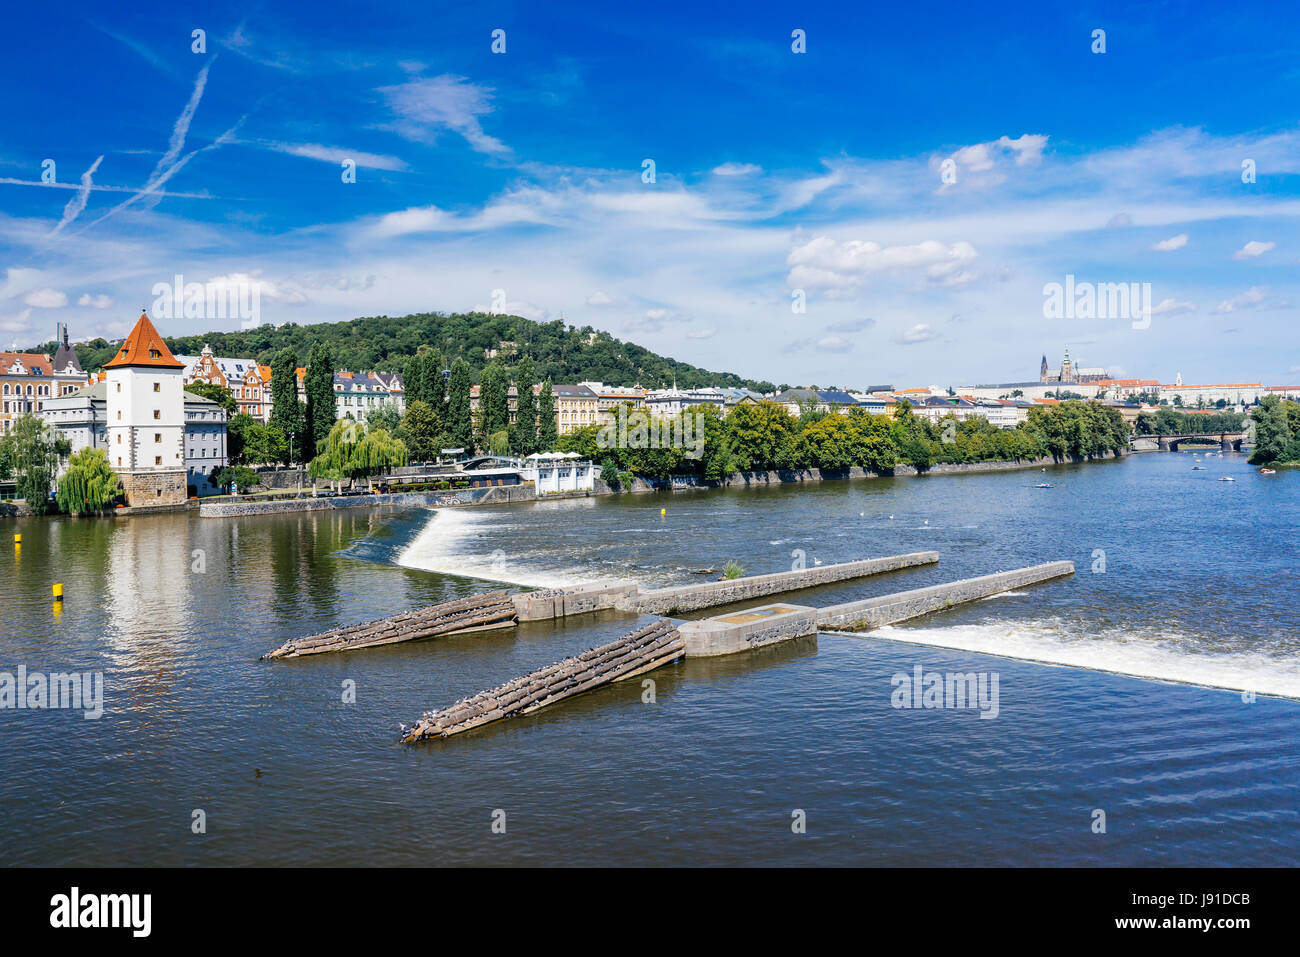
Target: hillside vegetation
point(383, 343)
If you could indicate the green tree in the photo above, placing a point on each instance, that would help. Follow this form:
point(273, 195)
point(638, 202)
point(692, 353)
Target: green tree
point(523, 436)
point(1273, 433)
point(241, 477)
point(547, 432)
point(493, 403)
point(460, 421)
point(385, 417)
point(239, 433)
point(217, 393)
point(321, 409)
point(421, 431)
point(352, 452)
point(30, 453)
point(89, 484)
point(287, 412)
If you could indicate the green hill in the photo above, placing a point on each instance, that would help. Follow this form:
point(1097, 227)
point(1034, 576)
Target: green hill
point(383, 343)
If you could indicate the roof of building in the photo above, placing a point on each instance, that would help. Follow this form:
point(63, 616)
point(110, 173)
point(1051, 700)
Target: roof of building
point(232, 369)
point(358, 382)
point(98, 392)
point(572, 391)
point(65, 358)
point(144, 347)
point(32, 363)
point(1217, 385)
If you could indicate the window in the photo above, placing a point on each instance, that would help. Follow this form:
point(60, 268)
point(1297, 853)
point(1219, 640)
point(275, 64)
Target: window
point(157, 413)
point(119, 438)
point(119, 387)
point(155, 354)
point(157, 460)
point(119, 413)
point(157, 386)
point(157, 436)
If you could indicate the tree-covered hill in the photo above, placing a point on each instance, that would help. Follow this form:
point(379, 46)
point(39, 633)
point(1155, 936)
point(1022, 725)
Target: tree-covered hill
point(382, 343)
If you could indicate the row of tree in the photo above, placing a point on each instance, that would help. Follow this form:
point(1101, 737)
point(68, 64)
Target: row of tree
point(1166, 421)
point(764, 436)
point(30, 455)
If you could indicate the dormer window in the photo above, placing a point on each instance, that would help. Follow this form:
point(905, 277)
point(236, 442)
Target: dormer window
point(155, 354)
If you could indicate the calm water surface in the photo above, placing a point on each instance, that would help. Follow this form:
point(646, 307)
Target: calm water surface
point(1121, 689)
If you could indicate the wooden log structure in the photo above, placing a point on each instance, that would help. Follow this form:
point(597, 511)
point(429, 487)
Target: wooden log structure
point(489, 610)
point(643, 650)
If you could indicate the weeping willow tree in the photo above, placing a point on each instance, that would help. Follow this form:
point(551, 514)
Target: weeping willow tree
point(352, 452)
point(88, 485)
point(378, 452)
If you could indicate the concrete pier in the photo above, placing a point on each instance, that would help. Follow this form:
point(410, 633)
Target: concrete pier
point(561, 602)
point(667, 601)
point(748, 629)
point(888, 609)
point(768, 624)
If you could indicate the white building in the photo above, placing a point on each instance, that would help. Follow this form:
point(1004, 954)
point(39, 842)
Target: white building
point(146, 418)
point(1233, 393)
point(675, 401)
point(82, 419)
point(558, 472)
point(248, 382)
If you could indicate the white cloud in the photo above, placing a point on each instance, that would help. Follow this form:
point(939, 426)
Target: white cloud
point(425, 106)
point(598, 298)
point(736, 169)
point(1256, 297)
point(701, 333)
point(823, 263)
point(78, 202)
point(1172, 307)
point(46, 298)
point(921, 332)
point(100, 301)
point(1253, 250)
point(336, 155)
point(1172, 243)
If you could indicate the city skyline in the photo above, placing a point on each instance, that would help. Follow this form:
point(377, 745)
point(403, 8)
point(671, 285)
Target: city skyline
point(921, 223)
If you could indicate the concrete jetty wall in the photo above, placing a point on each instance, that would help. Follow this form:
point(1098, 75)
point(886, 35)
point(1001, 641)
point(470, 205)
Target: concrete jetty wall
point(888, 609)
point(490, 495)
point(664, 601)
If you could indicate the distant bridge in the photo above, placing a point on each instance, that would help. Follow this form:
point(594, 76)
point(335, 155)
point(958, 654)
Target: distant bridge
point(1228, 441)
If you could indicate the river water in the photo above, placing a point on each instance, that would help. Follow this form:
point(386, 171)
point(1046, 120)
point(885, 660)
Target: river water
point(1159, 686)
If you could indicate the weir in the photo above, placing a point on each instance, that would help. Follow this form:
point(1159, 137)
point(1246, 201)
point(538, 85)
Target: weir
point(489, 610)
point(755, 627)
point(500, 610)
point(643, 650)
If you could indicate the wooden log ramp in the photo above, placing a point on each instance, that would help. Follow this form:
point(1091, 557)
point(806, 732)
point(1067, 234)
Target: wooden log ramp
point(643, 650)
point(490, 610)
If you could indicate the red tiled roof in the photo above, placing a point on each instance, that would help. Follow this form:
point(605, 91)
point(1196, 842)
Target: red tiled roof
point(37, 363)
point(144, 347)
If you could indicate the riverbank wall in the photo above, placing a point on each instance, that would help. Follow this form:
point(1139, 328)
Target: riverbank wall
point(492, 495)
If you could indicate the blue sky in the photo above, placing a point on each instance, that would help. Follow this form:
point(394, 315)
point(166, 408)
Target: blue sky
point(486, 179)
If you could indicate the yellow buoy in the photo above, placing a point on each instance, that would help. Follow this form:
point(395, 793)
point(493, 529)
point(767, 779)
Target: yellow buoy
point(58, 591)
point(663, 511)
point(18, 538)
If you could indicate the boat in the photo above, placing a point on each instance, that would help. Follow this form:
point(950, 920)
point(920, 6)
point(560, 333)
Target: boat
point(1198, 468)
point(1268, 471)
point(1043, 485)
point(1226, 478)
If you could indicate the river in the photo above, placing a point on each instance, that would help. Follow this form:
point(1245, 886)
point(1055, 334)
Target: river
point(1159, 686)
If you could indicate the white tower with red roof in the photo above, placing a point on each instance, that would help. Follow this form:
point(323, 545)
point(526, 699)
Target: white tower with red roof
point(146, 418)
